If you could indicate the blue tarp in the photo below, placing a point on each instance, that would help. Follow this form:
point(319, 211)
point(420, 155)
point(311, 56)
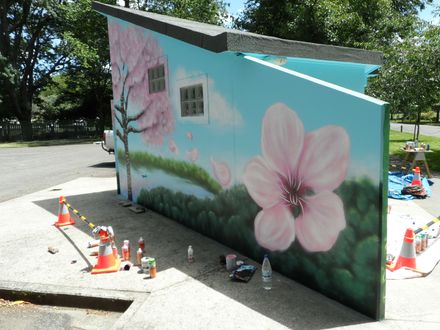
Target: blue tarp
point(397, 181)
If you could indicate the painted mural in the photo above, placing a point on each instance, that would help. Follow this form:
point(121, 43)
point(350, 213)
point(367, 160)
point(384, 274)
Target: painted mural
point(261, 159)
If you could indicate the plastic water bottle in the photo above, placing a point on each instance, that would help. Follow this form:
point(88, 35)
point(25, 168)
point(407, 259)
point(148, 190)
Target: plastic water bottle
point(190, 254)
point(266, 273)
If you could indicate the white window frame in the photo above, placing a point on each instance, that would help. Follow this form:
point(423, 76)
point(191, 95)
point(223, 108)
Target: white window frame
point(191, 101)
point(188, 82)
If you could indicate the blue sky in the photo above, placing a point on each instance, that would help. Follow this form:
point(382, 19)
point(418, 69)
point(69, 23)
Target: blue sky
point(237, 5)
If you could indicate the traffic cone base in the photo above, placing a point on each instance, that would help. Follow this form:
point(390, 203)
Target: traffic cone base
point(115, 264)
point(107, 261)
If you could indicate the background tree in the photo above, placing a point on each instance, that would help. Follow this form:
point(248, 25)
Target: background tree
point(206, 11)
point(354, 23)
point(33, 50)
point(410, 78)
point(88, 77)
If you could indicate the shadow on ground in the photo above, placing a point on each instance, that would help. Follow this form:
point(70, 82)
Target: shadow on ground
point(288, 303)
point(104, 165)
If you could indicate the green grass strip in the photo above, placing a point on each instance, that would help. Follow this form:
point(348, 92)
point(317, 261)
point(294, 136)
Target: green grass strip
point(191, 172)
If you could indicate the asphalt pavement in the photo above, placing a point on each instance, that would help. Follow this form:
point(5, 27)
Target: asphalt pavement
point(184, 295)
point(429, 130)
point(26, 170)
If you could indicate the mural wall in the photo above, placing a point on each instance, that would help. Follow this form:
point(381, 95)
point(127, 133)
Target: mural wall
point(256, 156)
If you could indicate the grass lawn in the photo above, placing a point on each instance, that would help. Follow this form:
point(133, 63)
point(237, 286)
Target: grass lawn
point(22, 144)
point(398, 139)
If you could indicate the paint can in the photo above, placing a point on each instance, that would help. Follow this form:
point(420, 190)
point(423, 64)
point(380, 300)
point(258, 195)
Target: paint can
point(418, 244)
point(231, 262)
point(425, 240)
point(145, 265)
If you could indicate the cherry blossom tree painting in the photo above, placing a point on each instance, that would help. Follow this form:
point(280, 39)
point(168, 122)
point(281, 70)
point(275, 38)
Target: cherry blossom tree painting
point(293, 182)
point(132, 53)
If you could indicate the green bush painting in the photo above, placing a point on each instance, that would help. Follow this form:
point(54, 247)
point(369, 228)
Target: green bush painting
point(349, 272)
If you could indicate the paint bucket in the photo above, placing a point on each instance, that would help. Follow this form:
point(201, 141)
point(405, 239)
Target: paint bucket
point(231, 262)
point(145, 265)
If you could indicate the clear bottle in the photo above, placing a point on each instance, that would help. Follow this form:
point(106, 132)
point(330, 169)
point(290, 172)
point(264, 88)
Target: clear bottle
point(190, 254)
point(266, 273)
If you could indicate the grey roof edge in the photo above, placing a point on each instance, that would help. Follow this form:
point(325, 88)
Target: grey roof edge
point(238, 41)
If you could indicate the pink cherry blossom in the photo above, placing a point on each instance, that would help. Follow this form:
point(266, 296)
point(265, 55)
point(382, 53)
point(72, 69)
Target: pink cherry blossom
point(132, 53)
point(221, 172)
point(192, 155)
point(189, 135)
point(293, 182)
point(173, 146)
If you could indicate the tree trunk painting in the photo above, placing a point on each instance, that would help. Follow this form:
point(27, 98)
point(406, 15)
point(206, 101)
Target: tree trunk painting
point(132, 53)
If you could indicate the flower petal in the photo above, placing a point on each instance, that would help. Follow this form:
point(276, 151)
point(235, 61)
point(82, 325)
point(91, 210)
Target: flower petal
point(324, 160)
point(221, 172)
point(275, 228)
point(262, 183)
point(318, 227)
point(282, 139)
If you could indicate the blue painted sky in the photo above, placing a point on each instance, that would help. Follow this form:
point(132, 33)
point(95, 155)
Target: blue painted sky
point(236, 144)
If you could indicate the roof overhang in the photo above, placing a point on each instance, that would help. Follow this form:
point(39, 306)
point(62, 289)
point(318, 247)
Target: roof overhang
point(219, 39)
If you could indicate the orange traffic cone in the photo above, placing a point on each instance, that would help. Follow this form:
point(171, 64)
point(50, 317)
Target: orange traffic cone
point(108, 261)
point(416, 180)
point(407, 257)
point(64, 218)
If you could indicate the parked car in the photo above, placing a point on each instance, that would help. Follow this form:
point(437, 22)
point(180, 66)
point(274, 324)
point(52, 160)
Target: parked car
point(108, 142)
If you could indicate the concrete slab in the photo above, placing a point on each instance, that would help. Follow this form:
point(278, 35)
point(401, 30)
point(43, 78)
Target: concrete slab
point(198, 295)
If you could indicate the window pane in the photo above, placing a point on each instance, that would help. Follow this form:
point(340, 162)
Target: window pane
point(161, 84)
point(192, 110)
point(200, 92)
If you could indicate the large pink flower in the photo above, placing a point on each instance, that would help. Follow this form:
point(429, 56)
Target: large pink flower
point(293, 182)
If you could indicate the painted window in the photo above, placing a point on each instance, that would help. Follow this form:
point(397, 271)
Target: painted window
point(156, 79)
point(191, 101)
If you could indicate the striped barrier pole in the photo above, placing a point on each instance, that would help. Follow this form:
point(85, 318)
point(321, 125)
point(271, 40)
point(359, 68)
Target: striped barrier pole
point(76, 212)
point(425, 227)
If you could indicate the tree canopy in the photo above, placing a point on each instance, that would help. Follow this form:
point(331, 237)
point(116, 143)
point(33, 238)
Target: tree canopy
point(206, 11)
point(410, 77)
point(354, 23)
point(31, 51)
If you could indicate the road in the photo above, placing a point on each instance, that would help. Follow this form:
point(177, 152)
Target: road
point(424, 129)
point(26, 170)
